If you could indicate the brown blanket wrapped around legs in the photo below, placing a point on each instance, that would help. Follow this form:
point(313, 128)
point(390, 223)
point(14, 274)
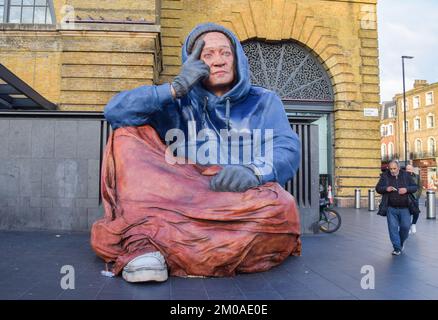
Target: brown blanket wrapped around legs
point(153, 205)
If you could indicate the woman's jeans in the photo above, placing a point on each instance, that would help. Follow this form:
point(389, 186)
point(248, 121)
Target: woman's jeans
point(416, 215)
point(399, 222)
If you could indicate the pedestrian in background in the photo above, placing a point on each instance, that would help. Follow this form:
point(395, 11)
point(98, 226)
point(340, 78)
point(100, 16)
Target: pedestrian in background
point(395, 186)
point(416, 197)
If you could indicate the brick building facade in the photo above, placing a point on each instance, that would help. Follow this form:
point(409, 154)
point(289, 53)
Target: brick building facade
point(422, 130)
point(118, 45)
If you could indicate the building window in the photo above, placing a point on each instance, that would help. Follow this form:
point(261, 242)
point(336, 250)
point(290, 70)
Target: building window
point(418, 146)
point(383, 150)
point(416, 102)
point(384, 130)
point(402, 105)
point(390, 150)
point(429, 98)
point(390, 129)
point(430, 120)
point(431, 146)
point(407, 126)
point(391, 113)
point(289, 69)
point(417, 123)
point(26, 11)
point(2, 10)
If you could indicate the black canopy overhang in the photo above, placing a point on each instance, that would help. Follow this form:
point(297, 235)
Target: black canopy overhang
point(16, 94)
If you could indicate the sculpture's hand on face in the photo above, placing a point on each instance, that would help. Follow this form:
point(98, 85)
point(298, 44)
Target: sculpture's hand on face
point(192, 71)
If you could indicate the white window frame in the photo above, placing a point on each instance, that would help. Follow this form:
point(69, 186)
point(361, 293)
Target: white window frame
point(407, 126)
point(4, 9)
point(390, 150)
point(391, 112)
point(402, 107)
point(419, 123)
point(416, 145)
point(431, 100)
point(416, 102)
point(383, 150)
point(430, 115)
point(428, 145)
point(390, 129)
point(7, 9)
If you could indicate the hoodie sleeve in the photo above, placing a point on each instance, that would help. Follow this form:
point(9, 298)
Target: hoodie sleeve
point(382, 184)
point(136, 107)
point(282, 154)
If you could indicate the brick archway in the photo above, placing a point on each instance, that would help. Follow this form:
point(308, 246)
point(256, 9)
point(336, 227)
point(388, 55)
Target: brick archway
point(288, 21)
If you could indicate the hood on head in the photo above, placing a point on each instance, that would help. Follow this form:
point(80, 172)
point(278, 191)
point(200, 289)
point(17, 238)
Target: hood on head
point(243, 83)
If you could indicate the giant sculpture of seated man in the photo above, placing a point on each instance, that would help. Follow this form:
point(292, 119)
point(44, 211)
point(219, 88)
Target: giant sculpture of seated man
point(193, 172)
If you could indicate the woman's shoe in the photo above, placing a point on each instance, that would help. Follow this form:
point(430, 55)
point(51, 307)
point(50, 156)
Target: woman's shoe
point(413, 229)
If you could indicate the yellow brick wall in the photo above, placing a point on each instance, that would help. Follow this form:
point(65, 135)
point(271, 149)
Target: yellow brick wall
point(35, 58)
point(108, 9)
point(97, 65)
point(81, 70)
point(343, 36)
point(171, 37)
point(83, 67)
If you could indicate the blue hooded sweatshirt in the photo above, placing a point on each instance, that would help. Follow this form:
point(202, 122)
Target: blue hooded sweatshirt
point(245, 117)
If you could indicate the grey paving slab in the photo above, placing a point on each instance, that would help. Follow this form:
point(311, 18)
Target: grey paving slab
point(152, 291)
point(330, 268)
point(263, 295)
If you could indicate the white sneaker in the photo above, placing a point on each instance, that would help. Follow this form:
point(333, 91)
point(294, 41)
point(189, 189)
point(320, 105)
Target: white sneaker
point(147, 267)
point(413, 229)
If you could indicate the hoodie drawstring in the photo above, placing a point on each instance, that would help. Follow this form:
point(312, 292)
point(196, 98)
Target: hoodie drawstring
point(204, 124)
point(227, 112)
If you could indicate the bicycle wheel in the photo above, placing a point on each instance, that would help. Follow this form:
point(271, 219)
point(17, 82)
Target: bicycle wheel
point(330, 220)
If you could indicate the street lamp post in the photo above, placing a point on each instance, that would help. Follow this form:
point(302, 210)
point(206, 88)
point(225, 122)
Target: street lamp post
point(404, 108)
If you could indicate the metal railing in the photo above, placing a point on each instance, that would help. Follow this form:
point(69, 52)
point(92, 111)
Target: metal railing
point(390, 157)
point(305, 185)
point(422, 155)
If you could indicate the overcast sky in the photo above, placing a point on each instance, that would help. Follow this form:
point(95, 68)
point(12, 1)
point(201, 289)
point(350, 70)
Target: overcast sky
point(407, 27)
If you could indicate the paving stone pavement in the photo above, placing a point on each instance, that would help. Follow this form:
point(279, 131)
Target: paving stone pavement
point(332, 266)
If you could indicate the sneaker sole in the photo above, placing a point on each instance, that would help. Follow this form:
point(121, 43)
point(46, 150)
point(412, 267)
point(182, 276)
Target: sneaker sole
point(145, 275)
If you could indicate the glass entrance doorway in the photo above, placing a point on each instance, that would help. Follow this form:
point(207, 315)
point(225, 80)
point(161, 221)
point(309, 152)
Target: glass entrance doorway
point(325, 152)
point(324, 122)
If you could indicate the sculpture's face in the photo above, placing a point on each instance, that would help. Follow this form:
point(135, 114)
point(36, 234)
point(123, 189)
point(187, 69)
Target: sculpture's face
point(218, 55)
